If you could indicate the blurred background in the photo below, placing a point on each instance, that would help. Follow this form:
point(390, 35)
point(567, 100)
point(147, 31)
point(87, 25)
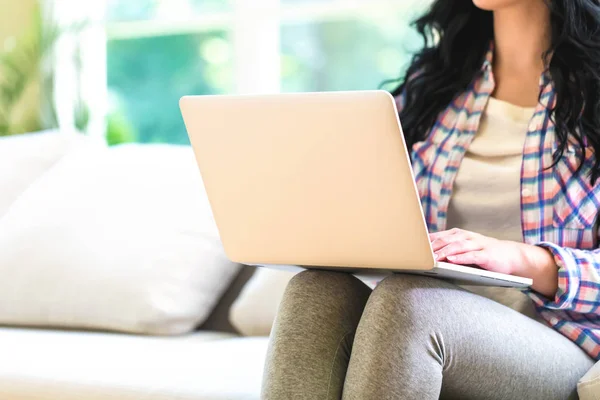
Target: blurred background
point(117, 68)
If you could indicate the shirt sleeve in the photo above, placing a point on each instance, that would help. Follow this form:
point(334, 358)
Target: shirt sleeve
point(578, 281)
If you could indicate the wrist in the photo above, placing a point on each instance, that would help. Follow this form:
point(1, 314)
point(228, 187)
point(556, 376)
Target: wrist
point(541, 267)
point(540, 259)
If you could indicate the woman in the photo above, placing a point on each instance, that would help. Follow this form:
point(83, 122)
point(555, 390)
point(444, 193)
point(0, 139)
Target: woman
point(502, 112)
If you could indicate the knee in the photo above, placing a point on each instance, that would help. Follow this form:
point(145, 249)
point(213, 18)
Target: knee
point(402, 294)
point(313, 277)
point(405, 282)
point(326, 290)
point(323, 282)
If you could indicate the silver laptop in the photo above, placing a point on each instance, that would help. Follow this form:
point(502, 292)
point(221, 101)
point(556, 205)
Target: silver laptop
point(316, 180)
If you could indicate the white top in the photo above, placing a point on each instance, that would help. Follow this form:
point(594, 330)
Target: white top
point(486, 195)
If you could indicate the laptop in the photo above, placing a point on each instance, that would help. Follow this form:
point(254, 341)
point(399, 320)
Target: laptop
point(317, 180)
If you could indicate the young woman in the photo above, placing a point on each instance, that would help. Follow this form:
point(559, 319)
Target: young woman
point(502, 112)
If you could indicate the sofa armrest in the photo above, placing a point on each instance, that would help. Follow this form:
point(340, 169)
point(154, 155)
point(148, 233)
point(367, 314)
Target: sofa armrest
point(589, 385)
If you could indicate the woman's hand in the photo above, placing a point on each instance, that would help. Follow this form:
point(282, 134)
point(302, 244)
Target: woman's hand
point(468, 248)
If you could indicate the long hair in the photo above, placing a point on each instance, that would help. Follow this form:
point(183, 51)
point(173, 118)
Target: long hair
point(457, 35)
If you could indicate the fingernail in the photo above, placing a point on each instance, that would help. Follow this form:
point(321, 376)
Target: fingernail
point(435, 256)
point(451, 258)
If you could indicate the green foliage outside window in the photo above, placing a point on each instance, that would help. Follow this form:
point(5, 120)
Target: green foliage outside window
point(27, 83)
point(147, 76)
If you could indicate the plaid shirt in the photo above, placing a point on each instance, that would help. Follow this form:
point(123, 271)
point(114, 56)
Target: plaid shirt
point(558, 207)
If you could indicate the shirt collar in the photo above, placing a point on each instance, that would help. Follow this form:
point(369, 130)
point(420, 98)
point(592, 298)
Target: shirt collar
point(489, 58)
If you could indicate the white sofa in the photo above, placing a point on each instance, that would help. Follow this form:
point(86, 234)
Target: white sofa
point(52, 365)
point(214, 362)
point(211, 363)
point(54, 326)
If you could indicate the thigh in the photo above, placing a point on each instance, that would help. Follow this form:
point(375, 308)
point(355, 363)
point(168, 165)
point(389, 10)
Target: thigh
point(499, 353)
point(427, 338)
point(312, 337)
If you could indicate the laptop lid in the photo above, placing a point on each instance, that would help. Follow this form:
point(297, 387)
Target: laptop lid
point(312, 179)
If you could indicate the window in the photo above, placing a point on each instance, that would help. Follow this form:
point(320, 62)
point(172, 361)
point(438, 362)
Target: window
point(159, 50)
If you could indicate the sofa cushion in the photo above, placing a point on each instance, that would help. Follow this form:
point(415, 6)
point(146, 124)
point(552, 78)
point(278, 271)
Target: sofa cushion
point(254, 311)
point(116, 239)
point(219, 320)
point(24, 158)
point(51, 365)
point(589, 385)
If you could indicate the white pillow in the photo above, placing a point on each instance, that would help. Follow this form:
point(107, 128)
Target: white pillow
point(254, 311)
point(589, 386)
point(24, 158)
point(118, 239)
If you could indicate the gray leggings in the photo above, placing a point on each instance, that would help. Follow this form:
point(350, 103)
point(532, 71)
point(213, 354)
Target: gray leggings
point(411, 338)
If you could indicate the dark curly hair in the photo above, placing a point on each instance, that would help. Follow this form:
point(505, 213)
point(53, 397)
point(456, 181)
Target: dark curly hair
point(457, 35)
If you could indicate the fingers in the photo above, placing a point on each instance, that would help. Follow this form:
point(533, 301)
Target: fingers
point(441, 243)
point(442, 234)
point(458, 247)
point(443, 239)
point(478, 257)
point(450, 233)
